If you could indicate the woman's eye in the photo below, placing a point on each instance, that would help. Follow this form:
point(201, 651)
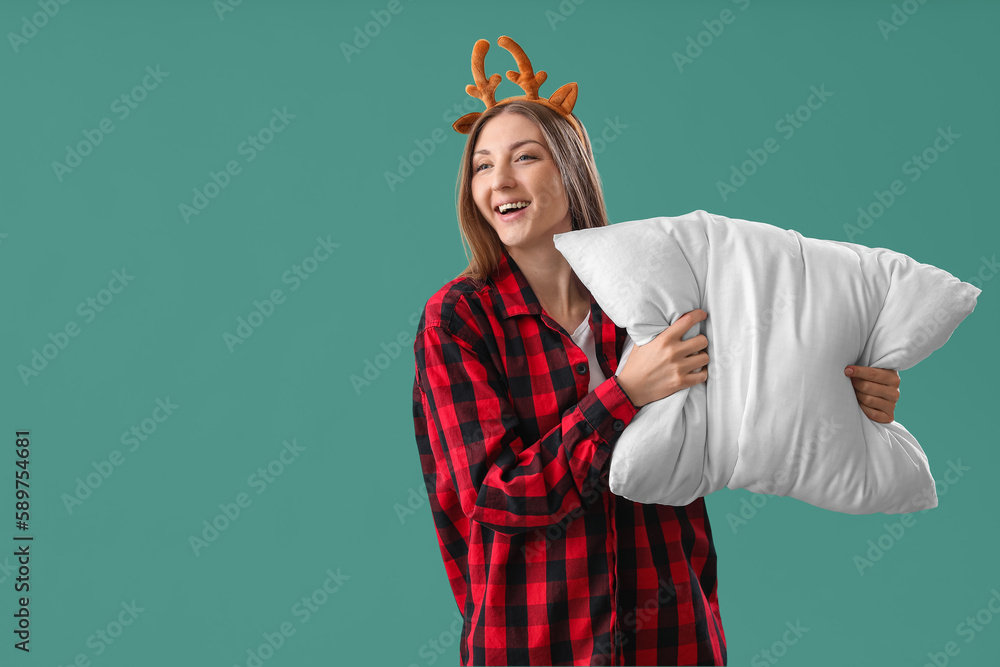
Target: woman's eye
point(486, 164)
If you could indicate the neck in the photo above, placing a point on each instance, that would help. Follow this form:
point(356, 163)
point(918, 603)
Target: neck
point(562, 294)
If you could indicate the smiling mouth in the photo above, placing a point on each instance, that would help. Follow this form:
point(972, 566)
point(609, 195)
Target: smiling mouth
point(506, 211)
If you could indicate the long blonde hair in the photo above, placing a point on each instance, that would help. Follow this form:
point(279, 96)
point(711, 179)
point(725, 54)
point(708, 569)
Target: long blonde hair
point(573, 156)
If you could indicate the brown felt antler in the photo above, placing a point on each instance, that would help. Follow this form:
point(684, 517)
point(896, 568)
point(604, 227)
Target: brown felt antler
point(525, 78)
point(561, 101)
point(484, 89)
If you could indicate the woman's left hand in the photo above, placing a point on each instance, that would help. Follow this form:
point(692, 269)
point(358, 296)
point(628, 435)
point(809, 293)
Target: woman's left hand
point(877, 390)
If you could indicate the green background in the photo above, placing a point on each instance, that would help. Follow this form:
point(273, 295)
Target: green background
point(336, 505)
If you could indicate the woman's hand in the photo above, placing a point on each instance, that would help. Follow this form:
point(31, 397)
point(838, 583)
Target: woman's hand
point(877, 390)
point(667, 363)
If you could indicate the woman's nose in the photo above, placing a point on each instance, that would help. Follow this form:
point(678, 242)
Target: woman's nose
point(503, 176)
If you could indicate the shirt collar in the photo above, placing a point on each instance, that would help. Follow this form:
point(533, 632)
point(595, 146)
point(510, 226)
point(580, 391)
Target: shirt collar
point(515, 294)
point(517, 298)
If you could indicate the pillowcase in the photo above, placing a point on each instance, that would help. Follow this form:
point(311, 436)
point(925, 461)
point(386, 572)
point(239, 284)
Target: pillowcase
point(786, 315)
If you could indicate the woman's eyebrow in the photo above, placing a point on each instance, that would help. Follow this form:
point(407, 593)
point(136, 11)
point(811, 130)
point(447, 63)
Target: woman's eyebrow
point(512, 146)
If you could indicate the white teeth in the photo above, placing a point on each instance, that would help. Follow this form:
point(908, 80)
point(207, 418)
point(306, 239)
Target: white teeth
point(503, 208)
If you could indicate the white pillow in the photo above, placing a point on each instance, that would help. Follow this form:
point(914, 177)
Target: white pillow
point(786, 315)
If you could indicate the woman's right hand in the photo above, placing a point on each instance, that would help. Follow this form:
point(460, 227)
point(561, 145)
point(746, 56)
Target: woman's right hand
point(667, 363)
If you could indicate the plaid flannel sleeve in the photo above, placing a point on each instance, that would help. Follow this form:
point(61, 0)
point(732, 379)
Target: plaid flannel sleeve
point(502, 481)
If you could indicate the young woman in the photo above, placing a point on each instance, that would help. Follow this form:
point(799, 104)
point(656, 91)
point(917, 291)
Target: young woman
point(517, 409)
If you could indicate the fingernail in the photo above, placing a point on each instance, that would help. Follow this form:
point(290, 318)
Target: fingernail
point(849, 370)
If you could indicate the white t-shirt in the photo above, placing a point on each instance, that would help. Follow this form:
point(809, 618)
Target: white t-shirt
point(584, 338)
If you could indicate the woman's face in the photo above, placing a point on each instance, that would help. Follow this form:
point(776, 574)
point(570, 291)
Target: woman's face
point(511, 163)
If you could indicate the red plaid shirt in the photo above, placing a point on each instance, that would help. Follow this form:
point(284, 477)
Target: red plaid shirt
point(548, 567)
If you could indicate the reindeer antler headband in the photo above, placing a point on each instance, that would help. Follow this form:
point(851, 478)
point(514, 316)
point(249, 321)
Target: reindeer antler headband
point(561, 101)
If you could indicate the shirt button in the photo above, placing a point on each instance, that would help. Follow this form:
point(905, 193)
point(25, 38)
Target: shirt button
point(618, 425)
point(581, 368)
